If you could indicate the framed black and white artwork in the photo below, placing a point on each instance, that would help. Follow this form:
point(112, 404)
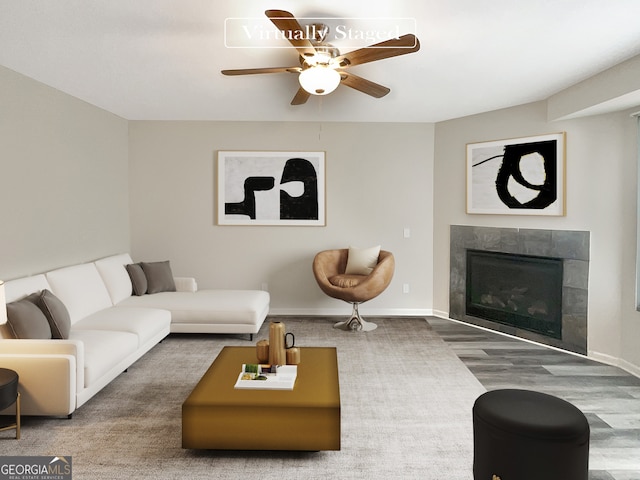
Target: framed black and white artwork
point(520, 176)
point(271, 188)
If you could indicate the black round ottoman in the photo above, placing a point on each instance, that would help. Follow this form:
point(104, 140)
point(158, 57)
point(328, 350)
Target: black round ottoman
point(525, 435)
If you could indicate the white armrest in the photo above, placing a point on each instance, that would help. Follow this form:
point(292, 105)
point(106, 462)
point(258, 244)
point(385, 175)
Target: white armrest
point(19, 350)
point(26, 346)
point(47, 383)
point(186, 284)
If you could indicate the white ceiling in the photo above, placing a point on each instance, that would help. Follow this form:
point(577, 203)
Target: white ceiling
point(161, 59)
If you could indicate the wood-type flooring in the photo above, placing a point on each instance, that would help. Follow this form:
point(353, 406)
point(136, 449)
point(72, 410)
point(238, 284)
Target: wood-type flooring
point(608, 396)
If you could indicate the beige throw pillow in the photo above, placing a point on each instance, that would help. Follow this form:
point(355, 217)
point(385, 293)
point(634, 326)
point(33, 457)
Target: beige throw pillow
point(361, 261)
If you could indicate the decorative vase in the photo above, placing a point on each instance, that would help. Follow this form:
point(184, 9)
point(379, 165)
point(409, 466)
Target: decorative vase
point(277, 353)
point(262, 351)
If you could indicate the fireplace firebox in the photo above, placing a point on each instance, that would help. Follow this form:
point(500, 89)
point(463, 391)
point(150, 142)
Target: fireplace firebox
point(522, 291)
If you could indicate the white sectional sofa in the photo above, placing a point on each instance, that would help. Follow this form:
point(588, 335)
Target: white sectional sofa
point(110, 329)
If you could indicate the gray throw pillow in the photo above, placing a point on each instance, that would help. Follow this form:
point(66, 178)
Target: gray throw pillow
point(159, 277)
point(56, 313)
point(26, 320)
point(138, 278)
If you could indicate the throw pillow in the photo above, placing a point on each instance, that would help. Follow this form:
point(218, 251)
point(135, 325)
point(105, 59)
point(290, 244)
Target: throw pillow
point(56, 313)
point(26, 320)
point(159, 277)
point(138, 278)
point(361, 261)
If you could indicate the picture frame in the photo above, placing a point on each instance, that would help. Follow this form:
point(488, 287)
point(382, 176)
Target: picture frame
point(519, 176)
point(271, 188)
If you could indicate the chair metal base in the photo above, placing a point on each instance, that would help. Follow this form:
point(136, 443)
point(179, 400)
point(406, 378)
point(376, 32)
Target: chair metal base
point(356, 323)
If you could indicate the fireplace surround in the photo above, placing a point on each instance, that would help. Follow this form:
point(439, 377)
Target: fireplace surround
point(568, 250)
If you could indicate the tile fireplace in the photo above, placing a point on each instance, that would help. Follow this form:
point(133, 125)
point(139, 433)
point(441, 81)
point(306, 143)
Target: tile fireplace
point(528, 283)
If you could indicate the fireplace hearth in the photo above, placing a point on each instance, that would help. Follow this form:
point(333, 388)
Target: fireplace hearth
point(534, 285)
point(522, 291)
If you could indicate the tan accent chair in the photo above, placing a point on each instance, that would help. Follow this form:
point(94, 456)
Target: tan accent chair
point(329, 267)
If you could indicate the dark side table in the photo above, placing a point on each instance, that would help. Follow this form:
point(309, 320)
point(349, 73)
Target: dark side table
point(9, 395)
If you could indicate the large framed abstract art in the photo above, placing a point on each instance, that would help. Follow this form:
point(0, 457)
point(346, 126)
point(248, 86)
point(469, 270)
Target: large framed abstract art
point(271, 188)
point(520, 176)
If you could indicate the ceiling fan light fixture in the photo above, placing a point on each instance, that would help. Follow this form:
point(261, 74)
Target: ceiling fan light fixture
point(319, 80)
point(320, 65)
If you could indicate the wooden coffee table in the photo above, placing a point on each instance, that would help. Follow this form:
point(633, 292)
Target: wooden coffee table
point(216, 416)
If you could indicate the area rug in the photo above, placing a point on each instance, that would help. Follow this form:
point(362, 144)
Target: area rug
point(406, 404)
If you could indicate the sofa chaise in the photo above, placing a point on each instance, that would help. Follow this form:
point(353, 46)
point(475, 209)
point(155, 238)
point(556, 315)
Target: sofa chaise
point(109, 328)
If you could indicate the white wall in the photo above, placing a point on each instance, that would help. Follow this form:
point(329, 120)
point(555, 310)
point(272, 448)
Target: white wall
point(63, 179)
point(379, 181)
point(601, 198)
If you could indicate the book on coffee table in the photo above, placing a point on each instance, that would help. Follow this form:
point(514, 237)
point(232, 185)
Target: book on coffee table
point(283, 379)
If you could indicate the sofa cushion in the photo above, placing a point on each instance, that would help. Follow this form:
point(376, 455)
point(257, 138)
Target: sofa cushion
point(26, 320)
point(56, 313)
point(138, 278)
point(347, 281)
point(21, 287)
point(115, 276)
point(103, 351)
point(361, 261)
point(146, 323)
point(244, 307)
point(81, 289)
point(159, 277)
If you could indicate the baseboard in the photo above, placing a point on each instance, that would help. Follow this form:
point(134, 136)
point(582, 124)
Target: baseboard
point(345, 312)
point(603, 357)
point(630, 367)
point(616, 362)
point(441, 314)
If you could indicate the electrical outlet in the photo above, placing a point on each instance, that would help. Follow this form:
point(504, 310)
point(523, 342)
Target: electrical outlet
point(405, 288)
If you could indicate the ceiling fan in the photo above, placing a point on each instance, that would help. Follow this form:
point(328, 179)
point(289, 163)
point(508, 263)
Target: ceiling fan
point(322, 67)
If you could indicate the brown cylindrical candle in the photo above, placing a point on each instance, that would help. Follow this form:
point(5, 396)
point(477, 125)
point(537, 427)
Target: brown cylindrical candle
point(293, 356)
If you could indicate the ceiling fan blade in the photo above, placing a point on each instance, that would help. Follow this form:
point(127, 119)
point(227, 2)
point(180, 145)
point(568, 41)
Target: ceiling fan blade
point(253, 71)
point(292, 30)
point(363, 85)
point(300, 97)
point(390, 48)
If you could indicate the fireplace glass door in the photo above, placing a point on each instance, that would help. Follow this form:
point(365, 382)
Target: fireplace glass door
point(518, 290)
